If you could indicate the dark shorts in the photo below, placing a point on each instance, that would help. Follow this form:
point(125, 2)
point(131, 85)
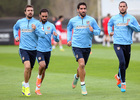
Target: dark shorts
point(81, 53)
point(44, 56)
point(28, 55)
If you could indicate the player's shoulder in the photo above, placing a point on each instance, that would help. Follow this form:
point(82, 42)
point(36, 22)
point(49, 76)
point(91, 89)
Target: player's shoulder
point(128, 15)
point(21, 19)
point(49, 23)
point(74, 18)
point(90, 18)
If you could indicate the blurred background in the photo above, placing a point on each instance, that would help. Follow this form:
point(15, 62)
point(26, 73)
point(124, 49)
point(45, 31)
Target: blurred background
point(12, 10)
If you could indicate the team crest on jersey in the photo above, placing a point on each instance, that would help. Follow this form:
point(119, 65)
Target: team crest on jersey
point(39, 58)
point(118, 48)
point(48, 28)
point(88, 22)
point(23, 58)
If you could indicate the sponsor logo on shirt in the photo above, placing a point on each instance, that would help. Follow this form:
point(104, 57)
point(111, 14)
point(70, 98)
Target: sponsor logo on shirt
point(47, 32)
point(27, 30)
point(82, 27)
point(121, 24)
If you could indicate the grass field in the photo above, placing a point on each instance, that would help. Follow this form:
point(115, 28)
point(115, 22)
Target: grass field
point(100, 70)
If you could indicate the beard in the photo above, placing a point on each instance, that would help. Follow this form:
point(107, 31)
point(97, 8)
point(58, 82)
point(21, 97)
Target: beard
point(30, 16)
point(123, 12)
point(44, 21)
point(83, 14)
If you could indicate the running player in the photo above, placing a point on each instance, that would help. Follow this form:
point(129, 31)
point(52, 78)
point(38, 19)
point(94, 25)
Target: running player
point(44, 47)
point(84, 27)
point(124, 25)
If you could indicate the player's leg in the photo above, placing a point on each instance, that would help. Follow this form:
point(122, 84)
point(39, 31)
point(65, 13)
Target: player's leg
point(120, 54)
point(54, 45)
point(27, 68)
point(42, 65)
point(104, 38)
point(108, 40)
point(60, 43)
point(127, 54)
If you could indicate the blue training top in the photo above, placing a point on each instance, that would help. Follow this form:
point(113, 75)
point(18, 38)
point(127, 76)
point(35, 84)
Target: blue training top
point(82, 36)
point(44, 44)
point(28, 36)
point(122, 33)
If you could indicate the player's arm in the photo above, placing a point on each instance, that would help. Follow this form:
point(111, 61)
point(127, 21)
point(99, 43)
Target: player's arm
point(15, 31)
point(38, 28)
point(110, 25)
point(55, 35)
point(96, 29)
point(133, 24)
point(69, 33)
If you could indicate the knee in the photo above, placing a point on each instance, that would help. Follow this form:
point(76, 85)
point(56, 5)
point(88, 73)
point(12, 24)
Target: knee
point(82, 65)
point(42, 65)
point(122, 65)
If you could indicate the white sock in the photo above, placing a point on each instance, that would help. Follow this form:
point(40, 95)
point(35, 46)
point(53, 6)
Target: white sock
point(118, 77)
point(82, 83)
point(103, 43)
point(37, 88)
point(26, 84)
point(61, 47)
point(108, 44)
point(123, 83)
point(39, 76)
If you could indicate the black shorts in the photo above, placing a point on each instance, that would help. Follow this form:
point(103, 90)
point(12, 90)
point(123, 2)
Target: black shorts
point(28, 55)
point(81, 53)
point(44, 56)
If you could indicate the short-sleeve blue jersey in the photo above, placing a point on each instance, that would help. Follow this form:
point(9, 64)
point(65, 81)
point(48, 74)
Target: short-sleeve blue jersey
point(82, 36)
point(28, 36)
point(44, 44)
point(122, 32)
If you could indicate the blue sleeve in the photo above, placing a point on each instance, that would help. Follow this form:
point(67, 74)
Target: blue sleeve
point(15, 29)
point(110, 24)
point(96, 29)
point(69, 31)
point(134, 25)
point(56, 38)
point(39, 30)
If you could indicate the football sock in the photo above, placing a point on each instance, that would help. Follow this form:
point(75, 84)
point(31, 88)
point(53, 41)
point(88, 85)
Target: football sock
point(39, 76)
point(82, 83)
point(61, 47)
point(26, 84)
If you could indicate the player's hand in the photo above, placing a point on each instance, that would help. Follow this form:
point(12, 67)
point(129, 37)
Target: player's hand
point(112, 33)
point(17, 39)
point(90, 28)
point(54, 33)
point(128, 20)
point(33, 26)
point(69, 43)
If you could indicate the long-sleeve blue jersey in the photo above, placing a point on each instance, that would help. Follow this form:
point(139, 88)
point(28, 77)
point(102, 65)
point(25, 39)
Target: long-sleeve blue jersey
point(44, 44)
point(122, 32)
point(82, 36)
point(28, 36)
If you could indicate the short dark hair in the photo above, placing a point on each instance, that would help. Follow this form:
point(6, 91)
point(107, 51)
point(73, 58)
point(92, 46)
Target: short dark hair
point(81, 3)
point(123, 2)
point(28, 6)
point(61, 16)
point(44, 10)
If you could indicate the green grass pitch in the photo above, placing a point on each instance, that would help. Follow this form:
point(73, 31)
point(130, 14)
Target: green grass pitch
point(100, 70)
